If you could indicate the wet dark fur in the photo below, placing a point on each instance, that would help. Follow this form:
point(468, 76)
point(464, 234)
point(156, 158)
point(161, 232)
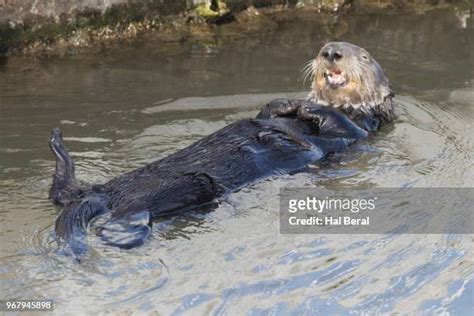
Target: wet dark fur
point(232, 157)
point(286, 136)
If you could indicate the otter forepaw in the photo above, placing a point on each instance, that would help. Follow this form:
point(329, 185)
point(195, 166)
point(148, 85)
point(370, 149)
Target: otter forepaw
point(280, 108)
point(332, 124)
point(309, 113)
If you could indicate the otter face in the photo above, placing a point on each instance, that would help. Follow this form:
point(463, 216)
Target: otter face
point(346, 76)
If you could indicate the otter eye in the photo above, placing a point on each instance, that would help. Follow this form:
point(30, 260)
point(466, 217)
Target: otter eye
point(325, 54)
point(365, 57)
point(337, 56)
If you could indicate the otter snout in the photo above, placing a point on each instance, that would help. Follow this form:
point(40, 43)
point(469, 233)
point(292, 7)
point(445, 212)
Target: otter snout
point(332, 54)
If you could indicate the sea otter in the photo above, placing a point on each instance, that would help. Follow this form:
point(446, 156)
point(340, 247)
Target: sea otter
point(350, 98)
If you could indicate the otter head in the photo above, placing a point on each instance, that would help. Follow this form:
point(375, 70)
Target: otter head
point(345, 76)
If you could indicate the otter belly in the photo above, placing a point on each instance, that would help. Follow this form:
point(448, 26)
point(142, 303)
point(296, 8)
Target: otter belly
point(234, 156)
point(195, 176)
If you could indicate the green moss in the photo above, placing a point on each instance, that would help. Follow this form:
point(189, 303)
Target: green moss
point(465, 4)
point(204, 10)
point(8, 37)
point(124, 14)
point(45, 33)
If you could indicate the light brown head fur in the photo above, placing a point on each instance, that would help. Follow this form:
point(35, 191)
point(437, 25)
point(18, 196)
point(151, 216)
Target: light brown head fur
point(346, 77)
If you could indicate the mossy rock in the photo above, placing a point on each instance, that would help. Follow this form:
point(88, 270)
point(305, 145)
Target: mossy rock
point(204, 10)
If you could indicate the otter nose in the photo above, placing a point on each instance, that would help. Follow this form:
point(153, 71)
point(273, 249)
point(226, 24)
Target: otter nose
point(332, 54)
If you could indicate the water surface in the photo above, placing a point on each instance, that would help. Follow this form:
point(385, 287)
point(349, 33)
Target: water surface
point(122, 109)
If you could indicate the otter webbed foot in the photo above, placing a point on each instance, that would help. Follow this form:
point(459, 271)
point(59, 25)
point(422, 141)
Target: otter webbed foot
point(280, 108)
point(126, 232)
point(65, 188)
point(71, 225)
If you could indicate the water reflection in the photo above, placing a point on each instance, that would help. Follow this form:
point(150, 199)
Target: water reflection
point(122, 109)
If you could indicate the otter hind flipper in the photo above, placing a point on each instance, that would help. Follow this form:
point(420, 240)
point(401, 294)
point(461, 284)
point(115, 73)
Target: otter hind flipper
point(72, 223)
point(126, 232)
point(65, 187)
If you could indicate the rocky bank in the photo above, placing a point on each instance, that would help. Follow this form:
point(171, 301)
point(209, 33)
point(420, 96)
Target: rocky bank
point(62, 27)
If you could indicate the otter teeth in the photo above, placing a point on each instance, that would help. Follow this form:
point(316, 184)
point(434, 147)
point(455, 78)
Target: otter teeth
point(334, 79)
